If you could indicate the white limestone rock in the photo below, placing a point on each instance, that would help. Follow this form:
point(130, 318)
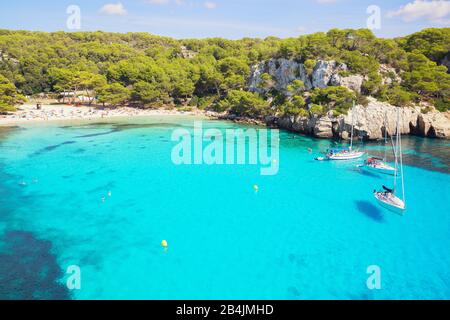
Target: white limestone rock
point(323, 72)
point(370, 122)
point(285, 71)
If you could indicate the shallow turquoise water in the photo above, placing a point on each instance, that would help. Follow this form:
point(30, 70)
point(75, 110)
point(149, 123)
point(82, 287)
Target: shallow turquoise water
point(309, 233)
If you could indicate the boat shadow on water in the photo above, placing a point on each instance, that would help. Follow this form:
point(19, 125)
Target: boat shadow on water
point(370, 210)
point(365, 172)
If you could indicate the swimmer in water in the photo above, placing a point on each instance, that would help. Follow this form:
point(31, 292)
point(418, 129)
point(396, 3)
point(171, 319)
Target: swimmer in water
point(310, 150)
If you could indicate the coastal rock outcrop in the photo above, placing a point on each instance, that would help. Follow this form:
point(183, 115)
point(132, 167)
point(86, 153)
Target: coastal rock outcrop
point(389, 75)
point(371, 122)
point(283, 72)
point(435, 125)
point(323, 72)
point(352, 82)
point(323, 127)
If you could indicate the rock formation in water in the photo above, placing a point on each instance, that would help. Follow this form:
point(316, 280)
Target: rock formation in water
point(369, 120)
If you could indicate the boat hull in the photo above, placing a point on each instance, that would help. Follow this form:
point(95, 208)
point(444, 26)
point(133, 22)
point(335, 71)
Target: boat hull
point(349, 156)
point(383, 170)
point(398, 208)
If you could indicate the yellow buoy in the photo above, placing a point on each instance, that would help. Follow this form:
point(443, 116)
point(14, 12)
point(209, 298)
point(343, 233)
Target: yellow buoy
point(256, 188)
point(164, 244)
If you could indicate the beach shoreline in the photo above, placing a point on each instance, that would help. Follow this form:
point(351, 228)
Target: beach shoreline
point(29, 114)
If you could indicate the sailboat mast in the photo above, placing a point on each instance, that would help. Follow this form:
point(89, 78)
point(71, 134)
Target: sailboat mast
point(385, 137)
point(353, 124)
point(401, 166)
point(397, 140)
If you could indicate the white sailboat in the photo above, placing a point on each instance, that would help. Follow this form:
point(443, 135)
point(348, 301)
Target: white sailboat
point(346, 153)
point(377, 164)
point(388, 198)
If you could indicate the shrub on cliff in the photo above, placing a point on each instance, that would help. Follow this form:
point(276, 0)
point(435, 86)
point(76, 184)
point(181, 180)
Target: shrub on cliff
point(289, 109)
point(295, 106)
point(359, 63)
point(443, 105)
point(317, 109)
point(397, 96)
point(267, 82)
point(296, 87)
point(338, 99)
point(433, 43)
point(425, 78)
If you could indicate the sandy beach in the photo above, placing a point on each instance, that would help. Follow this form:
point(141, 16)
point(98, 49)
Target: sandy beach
point(29, 113)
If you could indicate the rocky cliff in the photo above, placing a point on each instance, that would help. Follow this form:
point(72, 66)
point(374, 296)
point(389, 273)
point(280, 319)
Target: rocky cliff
point(369, 120)
point(283, 72)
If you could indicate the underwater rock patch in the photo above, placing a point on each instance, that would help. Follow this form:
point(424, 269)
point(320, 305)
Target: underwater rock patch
point(28, 269)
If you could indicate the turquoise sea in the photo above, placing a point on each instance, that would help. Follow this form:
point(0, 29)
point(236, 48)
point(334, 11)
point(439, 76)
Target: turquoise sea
point(310, 232)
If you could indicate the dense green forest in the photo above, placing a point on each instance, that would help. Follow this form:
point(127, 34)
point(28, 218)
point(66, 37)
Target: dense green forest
point(143, 70)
